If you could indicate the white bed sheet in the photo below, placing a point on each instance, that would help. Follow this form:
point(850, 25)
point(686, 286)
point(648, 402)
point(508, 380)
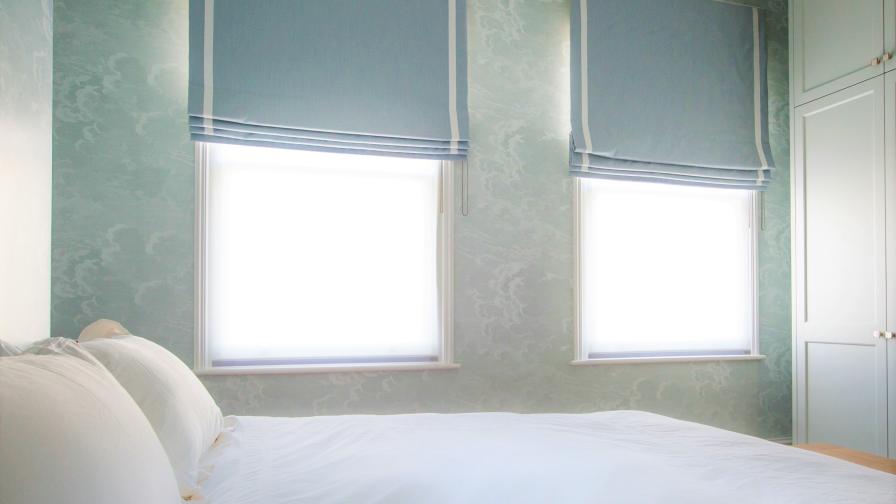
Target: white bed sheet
point(616, 456)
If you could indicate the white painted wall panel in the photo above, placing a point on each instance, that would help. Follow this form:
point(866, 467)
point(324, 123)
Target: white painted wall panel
point(26, 59)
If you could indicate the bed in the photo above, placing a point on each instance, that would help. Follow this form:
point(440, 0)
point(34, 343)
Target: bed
point(116, 419)
point(615, 456)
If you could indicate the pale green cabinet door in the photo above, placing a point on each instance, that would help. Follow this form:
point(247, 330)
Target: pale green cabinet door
point(889, 35)
point(836, 43)
point(891, 360)
point(840, 269)
point(890, 129)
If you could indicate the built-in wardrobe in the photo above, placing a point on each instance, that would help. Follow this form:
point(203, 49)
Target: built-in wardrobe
point(843, 99)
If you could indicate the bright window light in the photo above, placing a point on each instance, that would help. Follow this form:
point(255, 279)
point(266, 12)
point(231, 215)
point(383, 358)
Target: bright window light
point(321, 259)
point(665, 270)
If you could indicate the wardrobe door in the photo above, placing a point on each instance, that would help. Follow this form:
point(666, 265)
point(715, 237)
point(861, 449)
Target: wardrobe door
point(890, 203)
point(836, 44)
point(891, 387)
point(889, 35)
point(839, 269)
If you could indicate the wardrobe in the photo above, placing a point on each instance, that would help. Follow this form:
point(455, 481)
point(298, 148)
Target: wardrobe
point(843, 178)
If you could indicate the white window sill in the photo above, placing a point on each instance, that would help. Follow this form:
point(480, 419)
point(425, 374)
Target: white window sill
point(325, 368)
point(659, 360)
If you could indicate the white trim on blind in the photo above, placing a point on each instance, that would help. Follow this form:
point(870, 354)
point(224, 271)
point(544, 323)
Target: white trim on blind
point(583, 53)
point(757, 95)
point(208, 74)
point(452, 73)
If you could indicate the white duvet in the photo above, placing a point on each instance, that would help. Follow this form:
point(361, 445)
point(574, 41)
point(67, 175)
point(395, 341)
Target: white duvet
point(617, 456)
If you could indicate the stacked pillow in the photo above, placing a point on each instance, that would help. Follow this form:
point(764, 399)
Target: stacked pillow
point(8, 349)
point(180, 409)
point(70, 433)
point(114, 419)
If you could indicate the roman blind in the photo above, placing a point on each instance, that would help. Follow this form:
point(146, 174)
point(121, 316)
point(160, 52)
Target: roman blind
point(669, 91)
point(385, 77)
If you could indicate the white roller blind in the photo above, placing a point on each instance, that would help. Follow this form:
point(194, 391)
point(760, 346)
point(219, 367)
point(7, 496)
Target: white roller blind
point(320, 258)
point(665, 270)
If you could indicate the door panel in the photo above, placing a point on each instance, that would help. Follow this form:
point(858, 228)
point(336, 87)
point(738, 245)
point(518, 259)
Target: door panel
point(834, 43)
point(890, 34)
point(890, 203)
point(840, 298)
point(891, 397)
point(841, 392)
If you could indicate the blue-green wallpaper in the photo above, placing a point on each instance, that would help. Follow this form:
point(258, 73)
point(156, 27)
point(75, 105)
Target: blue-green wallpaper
point(123, 179)
point(123, 218)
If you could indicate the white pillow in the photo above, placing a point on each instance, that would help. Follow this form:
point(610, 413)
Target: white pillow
point(8, 349)
point(70, 433)
point(180, 409)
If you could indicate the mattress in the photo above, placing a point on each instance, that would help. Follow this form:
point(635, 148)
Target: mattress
point(616, 456)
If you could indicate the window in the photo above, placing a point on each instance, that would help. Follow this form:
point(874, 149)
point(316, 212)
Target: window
point(321, 261)
point(665, 271)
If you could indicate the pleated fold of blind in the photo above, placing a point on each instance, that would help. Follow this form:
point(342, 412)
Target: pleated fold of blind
point(669, 91)
point(384, 78)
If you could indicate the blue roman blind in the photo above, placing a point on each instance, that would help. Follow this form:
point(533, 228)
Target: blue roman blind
point(385, 77)
point(669, 91)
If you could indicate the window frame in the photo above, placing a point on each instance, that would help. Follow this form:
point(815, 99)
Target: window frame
point(580, 356)
point(202, 364)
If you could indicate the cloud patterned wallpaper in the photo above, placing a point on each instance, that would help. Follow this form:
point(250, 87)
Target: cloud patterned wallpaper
point(123, 169)
point(123, 229)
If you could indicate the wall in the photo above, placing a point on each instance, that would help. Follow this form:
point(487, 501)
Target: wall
point(26, 66)
point(123, 241)
point(774, 245)
point(123, 169)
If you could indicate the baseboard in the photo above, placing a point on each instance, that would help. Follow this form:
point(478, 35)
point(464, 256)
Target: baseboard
point(782, 440)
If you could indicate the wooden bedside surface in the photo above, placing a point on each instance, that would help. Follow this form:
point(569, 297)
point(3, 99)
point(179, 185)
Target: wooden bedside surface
point(856, 457)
